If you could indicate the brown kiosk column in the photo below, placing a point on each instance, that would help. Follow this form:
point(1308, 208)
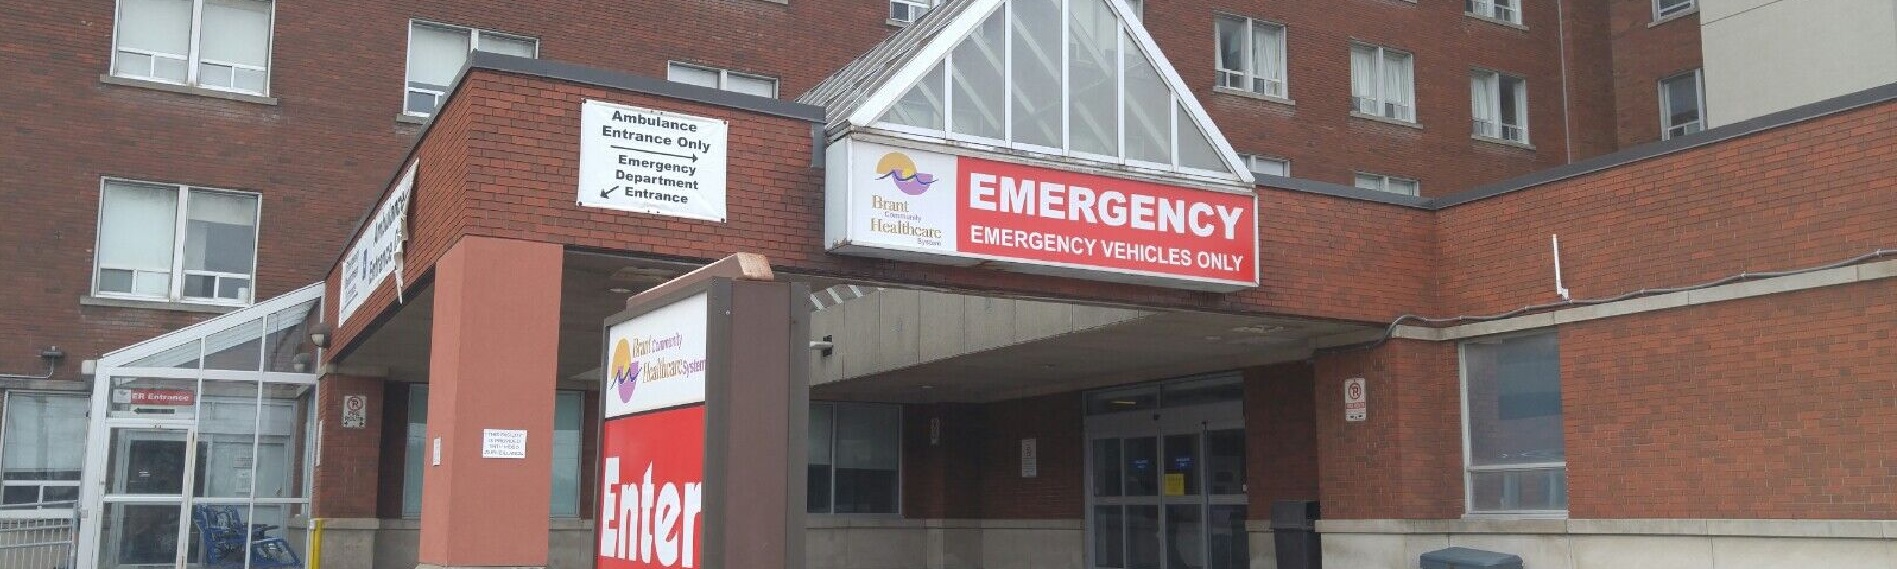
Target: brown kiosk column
point(492, 366)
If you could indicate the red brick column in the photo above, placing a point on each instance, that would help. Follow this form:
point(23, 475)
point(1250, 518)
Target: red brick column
point(491, 366)
point(1405, 460)
point(344, 481)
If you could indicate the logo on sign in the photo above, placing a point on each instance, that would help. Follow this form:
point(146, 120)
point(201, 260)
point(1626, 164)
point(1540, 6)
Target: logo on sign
point(901, 171)
point(628, 370)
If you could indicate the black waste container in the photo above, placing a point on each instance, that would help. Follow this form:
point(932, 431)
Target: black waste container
point(1294, 531)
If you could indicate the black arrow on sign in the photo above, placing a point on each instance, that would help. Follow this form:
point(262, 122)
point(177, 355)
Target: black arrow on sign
point(691, 157)
point(608, 192)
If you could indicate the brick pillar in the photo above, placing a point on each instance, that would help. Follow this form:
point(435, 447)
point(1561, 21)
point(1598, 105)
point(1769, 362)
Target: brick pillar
point(345, 483)
point(492, 366)
point(1405, 459)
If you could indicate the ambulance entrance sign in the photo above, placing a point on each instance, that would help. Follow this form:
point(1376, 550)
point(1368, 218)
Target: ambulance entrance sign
point(650, 161)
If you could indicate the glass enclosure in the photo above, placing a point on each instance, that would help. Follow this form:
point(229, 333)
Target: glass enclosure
point(199, 443)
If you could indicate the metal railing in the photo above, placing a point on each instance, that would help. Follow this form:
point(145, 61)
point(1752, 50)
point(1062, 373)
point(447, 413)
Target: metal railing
point(39, 535)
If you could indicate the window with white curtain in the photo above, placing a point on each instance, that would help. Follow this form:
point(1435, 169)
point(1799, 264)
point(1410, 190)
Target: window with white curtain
point(908, 11)
point(1251, 55)
point(41, 449)
point(1504, 10)
point(721, 79)
point(437, 52)
point(1663, 9)
point(217, 44)
point(855, 458)
point(1266, 165)
point(1499, 105)
point(1682, 105)
point(1383, 82)
point(175, 242)
point(1386, 183)
point(1515, 458)
point(568, 415)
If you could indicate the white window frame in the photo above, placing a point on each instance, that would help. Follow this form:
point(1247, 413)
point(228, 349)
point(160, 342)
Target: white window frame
point(1499, 10)
point(1662, 13)
point(1383, 183)
point(180, 222)
point(724, 76)
point(1469, 469)
point(192, 58)
point(6, 406)
point(1666, 114)
point(917, 8)
point(1251, 163)
point(1499, 128)
point(474, 42)
point(1248, 77)
point(1383, 100)
point(831, 510)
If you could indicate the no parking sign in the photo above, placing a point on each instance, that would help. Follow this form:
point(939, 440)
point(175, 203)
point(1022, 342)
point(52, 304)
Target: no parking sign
point(1356, 401)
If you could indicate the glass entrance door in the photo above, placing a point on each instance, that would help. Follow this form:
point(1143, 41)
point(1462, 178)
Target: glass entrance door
point(1166, 485)
point(144, 516)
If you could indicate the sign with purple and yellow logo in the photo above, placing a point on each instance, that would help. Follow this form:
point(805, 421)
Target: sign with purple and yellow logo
point(656, 360)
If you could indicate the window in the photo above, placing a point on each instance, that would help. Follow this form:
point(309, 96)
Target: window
point(1504, 10)
point(908, 11)
point(1499, 105)
point(568, 413)
point(217, 44)
point(1267, 166)
point(42, 448)
point(1682, 105)
point(1251, 55)
point(722, 79)
point(1383, 82)
point(1392, 184)
point(1663, 9)
point(436, 54)
point(855, 458)
point(1516, 461)
point(172, 242)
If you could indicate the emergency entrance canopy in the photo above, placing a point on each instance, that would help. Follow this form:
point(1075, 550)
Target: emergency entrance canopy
point(1040, 136)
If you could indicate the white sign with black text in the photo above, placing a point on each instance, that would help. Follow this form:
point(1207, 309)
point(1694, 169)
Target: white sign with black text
point(1030, 458)
point(377, 252)
point(355, 411)
point(1356, 400)
point(651, 161)
point(503, 443)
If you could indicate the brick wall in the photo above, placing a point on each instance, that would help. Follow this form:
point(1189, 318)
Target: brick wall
point(1782, 406)
point(1644, 53)
point(1058, 491)
point(345, 486)
point(1280, 436)
point(942, 476)
point(1405, 459)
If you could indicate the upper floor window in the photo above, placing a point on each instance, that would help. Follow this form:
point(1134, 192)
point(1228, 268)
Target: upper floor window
point(855, 458)
point(1663, 9)
point(721, 79)
point(1383, 183)
point(437, 52)
point(1682, 105)
point(1383, 82)
point(1516, 461)
point(1504, 10)
point(1251, 55)
point(216, 44)
point(1266, 165)
point(174, 242)
point(1499, 105)
point(908, 11)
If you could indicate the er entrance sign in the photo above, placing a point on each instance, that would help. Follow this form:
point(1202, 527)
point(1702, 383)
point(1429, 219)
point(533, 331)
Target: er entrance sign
point(650, 161)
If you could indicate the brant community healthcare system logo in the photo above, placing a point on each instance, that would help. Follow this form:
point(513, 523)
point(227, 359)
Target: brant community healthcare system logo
point(902, 172)
point(629, 368)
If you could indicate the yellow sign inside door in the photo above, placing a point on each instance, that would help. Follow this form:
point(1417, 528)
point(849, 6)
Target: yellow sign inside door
point(1175, 484)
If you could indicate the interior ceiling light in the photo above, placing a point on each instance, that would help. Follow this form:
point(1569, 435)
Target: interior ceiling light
point(1257, 329)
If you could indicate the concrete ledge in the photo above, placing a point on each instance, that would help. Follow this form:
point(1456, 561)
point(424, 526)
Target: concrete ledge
point(1833, 529)
point(186, 89)
point(157, 305)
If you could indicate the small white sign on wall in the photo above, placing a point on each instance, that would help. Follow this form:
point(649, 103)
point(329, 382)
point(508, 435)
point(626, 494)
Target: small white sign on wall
point(1356, 400)
point(503, 443)
point(1030, 459)
point(355, 411)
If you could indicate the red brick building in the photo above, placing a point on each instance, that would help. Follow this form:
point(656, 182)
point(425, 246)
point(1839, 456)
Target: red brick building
point(1699, 377)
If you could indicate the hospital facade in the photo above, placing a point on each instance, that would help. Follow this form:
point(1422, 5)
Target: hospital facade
point(1592, 284)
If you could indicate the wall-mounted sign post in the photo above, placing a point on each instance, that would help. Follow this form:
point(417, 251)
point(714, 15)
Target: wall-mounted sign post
point(705, 398)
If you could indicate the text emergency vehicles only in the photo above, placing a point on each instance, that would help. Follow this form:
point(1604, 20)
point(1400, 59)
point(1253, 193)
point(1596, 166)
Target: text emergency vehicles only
point(1206, 233)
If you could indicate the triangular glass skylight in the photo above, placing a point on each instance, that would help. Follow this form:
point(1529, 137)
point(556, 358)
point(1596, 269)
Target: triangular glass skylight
point(1061, 77)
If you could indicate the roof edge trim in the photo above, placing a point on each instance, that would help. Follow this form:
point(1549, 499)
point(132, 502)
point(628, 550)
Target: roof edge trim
point(599, 77)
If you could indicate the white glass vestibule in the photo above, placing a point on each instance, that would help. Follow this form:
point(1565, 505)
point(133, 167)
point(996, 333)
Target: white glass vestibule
point(1066, 78)
point(199, 447)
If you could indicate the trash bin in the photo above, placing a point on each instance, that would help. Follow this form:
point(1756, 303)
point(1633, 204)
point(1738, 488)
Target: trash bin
point(1294, 532)
point(1465, 558)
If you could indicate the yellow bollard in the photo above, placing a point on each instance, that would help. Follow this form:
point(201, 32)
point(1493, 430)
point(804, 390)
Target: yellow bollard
point(316, 544)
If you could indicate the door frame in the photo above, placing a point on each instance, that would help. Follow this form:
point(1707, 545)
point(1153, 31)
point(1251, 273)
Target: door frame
point(91, 537)
point(1159, 423)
